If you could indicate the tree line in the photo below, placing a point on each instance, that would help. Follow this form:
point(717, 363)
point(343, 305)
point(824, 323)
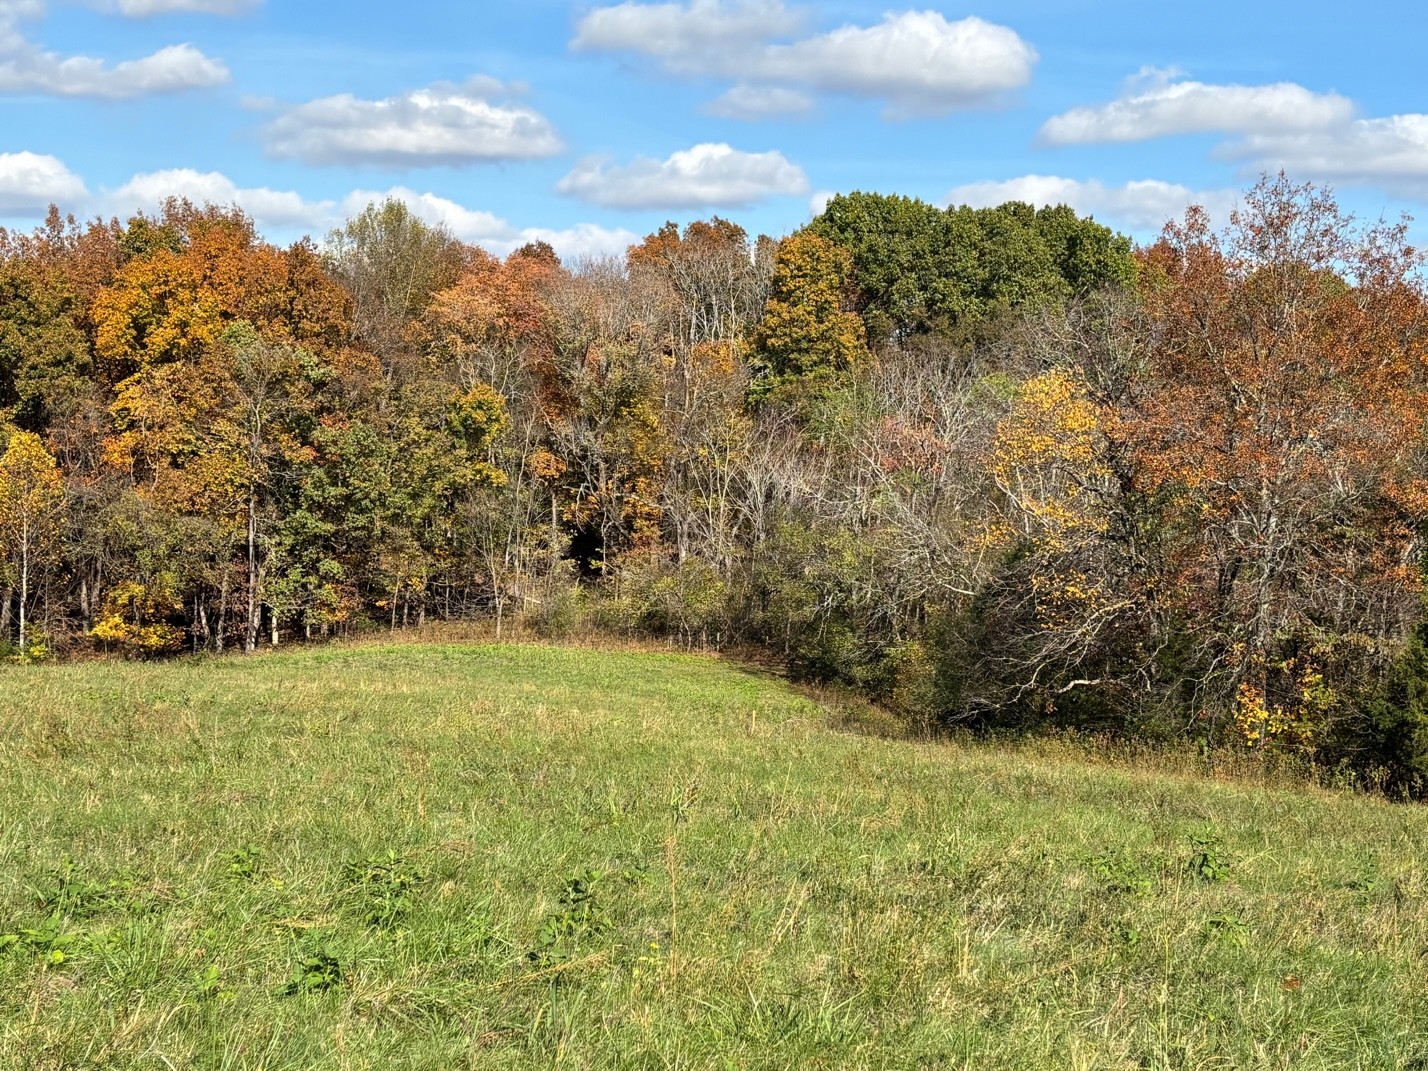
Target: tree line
point(994, 468)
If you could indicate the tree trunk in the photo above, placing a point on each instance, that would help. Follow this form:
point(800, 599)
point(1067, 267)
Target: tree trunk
point(222, 616)
point(24, 581)
point(255, 609)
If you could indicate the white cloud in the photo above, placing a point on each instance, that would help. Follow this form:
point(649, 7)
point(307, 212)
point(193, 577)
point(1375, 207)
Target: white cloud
point(168, 70)
point(745, 101)
point(917, 61)
point(819, 201)
point(142, 9)
point(27, 68)
point(30, 183)
point(280, 209)
point(493, 233)
point(1143, 206)
point(706, 176)
point(13, 11)
point(287, 214)
point(685, 36)
point(439, 126)
point(1281, 126)
point(1391, 152)
point(1169, 107)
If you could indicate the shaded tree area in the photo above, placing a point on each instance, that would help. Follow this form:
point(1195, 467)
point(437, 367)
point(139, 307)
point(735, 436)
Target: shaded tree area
point(994, 468)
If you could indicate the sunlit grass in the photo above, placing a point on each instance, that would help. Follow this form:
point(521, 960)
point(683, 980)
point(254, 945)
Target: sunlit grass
point(436, 857)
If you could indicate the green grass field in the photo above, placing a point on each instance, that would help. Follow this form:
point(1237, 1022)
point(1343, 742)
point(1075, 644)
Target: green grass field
point(524, 857)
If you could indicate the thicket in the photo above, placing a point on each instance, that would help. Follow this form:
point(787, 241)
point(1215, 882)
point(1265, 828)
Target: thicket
point(995, 468)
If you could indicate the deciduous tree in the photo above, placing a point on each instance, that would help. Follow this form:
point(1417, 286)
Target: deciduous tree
point(31, 514)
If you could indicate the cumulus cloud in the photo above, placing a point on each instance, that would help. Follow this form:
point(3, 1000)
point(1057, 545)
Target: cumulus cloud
point(1168, 107)
point(919, 62)
point(706, 176)
point(745, 101)
point(1272, 127)
point(282, 209)
point(142, 9)
point(1143, 206)
point(11, 12)
point(686, 37)
point(168, 70)
point(30, 183)
point(27, 68)
point(819, 201)
point(286, 213)
point(440, 126)
point(493, 233)
point(1390, 152)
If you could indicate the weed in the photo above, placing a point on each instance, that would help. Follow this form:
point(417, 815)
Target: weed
point(316, 972)
point(384, 884)
point(581, 916)
point(1229, 928)
point(73, 893)
point(209, 984)
point(1365, 886)
point(1121, 874)
point(650, 961)
point(53, 735)
point(245, 861)
point(1208, 861)
point(48, 941)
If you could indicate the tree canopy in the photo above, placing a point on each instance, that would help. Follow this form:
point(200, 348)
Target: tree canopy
point(992, 467)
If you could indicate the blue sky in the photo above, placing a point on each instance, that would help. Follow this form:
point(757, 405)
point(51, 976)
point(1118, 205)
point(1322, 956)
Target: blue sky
point(590, 124)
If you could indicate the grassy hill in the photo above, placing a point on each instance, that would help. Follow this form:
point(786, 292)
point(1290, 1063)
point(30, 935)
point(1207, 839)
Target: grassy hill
point(515, 857)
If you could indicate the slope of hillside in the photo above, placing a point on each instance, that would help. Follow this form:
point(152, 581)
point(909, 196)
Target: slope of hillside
point(507, 857)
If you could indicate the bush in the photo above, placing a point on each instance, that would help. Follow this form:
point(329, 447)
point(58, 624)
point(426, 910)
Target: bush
point(1397, 718)
point(561, 611)
point(658, 597)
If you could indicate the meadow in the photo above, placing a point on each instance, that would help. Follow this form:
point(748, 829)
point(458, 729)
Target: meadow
point(524, 856)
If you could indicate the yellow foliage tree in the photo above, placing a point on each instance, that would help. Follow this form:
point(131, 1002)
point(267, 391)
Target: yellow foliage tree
point(134, 619)
point(31, 510)
point(806, 328)
point(1048, 463)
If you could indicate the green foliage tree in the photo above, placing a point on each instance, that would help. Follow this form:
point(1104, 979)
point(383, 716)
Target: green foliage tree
point(911, 274)
point(922, 270)
point(1398, 716)
point(44, 359)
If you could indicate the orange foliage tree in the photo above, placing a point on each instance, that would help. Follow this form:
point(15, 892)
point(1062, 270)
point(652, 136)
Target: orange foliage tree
point(1278, 426)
